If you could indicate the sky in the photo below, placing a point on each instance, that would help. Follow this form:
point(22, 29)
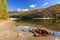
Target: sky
point(26, 5)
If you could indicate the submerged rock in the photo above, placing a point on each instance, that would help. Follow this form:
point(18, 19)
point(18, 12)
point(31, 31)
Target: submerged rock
point(40, 32)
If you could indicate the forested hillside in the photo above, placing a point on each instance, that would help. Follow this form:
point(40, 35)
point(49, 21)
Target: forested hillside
point(50, 12)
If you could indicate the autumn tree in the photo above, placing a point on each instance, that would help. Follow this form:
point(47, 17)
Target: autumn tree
point(3, 10)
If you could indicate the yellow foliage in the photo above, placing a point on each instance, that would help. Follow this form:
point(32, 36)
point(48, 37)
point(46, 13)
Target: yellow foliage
point(3, 10)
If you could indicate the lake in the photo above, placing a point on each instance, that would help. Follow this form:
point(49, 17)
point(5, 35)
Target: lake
point(52, 24)
point(25, 30)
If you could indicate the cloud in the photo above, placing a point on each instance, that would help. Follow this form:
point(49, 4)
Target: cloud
point(32, 5)
point(18, 9)
point(46, 3)
point(26, 10)
point(59, 2)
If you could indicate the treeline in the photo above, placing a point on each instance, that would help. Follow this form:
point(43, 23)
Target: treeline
point(30, 17)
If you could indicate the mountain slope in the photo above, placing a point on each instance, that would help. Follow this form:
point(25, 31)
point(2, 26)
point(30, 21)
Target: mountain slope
point(52, 12)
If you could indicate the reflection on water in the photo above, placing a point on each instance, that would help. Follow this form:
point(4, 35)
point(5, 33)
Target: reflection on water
point(47, 21)
point(52, 24)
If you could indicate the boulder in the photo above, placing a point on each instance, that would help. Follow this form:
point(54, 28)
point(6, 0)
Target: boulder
point(40, 32)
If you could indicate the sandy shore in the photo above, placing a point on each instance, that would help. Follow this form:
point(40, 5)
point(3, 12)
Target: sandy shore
point(8, 31)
